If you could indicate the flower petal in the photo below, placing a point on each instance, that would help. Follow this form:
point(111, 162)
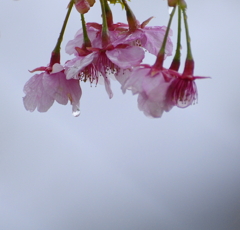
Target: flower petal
point(107, 86)
point(153, 38)
point(150, 108)
point(36, 97)
point(77, 64)
point(126, 57)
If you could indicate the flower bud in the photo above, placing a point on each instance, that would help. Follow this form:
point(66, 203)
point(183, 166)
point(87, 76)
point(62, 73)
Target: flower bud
point(82, 6)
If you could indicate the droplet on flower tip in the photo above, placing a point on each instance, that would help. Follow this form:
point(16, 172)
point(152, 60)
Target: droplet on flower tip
point(183, 103)
point(76, 113)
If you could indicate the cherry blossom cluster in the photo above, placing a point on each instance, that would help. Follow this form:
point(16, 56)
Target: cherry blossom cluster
point(116, 50)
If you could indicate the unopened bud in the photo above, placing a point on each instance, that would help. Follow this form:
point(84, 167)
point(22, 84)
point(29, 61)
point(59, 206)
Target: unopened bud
point(82, 6)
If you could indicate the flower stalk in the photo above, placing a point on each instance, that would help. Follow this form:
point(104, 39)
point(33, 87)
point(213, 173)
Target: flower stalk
point(176, 60)
point(105, 31)
point(55, 58)
point(132, 21)
point(188, 39)
point(160, 57)
point(189, 63)
point(109, 15)
point(86, 40)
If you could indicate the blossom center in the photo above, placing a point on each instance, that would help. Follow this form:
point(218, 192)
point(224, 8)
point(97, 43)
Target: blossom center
point(105, 66)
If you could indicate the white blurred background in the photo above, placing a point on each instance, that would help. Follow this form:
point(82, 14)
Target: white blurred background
point(112, 167)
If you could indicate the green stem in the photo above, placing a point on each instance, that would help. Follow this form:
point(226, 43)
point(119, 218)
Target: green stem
point(105, 34)
point(108, 15)
point(60, 38)
point(55, 57)
point(176, 60)
point(132, 21)
point(160, 56)
point(188, 39)
point(86, 40)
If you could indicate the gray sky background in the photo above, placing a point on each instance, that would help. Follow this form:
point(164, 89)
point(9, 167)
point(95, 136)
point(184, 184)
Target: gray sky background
point(112, 167)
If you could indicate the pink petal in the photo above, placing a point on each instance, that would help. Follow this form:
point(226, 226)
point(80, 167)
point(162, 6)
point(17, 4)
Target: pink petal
point(78, 40)
point(77, 64)
point(150, 108)
point(134, 80)
point(36, 96)
point(126, 57)
point(42, 89)
point(107, 86)
point(153, 38)
point(75, 93)
point(122, 75)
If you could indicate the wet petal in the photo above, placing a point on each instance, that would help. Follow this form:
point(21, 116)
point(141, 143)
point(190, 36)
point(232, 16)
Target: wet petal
point(77, 64)
point(126, 57)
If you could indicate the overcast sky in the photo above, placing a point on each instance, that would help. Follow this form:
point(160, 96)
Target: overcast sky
point(112, 168)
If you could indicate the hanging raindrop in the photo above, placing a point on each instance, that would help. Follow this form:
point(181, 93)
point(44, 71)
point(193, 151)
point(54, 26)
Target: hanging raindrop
point(76, 113)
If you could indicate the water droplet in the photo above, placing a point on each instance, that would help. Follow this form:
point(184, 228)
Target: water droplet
point(76, 113)
point(183, 103)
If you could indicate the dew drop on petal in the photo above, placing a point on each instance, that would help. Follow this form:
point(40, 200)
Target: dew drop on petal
point(76, 113)
point(183, 103)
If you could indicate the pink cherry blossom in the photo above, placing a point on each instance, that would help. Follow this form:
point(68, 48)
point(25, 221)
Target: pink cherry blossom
point(95, 63)
point(43, 89)
point(94, 34)
point(148, 37)
point(151, 85)
point(183, 90)
point(160, 89)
